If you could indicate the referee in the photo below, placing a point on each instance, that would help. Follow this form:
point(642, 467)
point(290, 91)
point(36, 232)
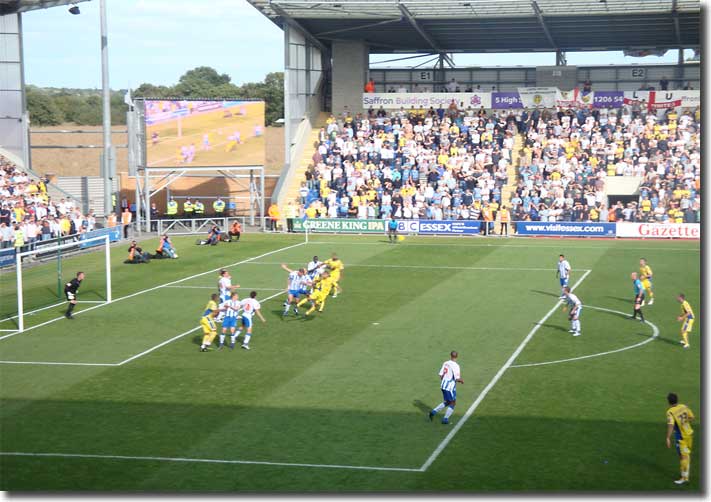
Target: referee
point(70, 290)
point(392, 230)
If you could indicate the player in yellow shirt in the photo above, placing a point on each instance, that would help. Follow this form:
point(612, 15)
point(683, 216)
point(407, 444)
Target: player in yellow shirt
point(208, 324)
point(321, 288)
point(687, 317)
point(679, 418)
point(335, 266)
point(645, 275)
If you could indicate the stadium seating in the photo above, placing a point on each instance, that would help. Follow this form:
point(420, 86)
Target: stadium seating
point(457, 164)
point(27, 208)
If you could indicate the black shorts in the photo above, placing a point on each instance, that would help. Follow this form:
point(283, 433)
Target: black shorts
point(392, 230)
point(70, 296)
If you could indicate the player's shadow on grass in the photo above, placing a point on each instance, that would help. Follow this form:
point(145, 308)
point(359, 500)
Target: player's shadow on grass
point(553, 326)
point(547, 293)
point(660, 338)
point(421, 406)
point(623, 300)
point(197, 340)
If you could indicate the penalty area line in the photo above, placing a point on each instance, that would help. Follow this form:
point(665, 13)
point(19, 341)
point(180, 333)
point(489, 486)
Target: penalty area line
point(206, 461)
point(443, 444)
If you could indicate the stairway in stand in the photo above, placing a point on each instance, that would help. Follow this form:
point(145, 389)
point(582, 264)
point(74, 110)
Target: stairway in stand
point(508, 190)
point(292, 192)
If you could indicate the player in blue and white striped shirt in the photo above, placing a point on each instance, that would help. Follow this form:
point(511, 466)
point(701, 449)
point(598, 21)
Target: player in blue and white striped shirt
point(576, 308)
point(295, 286)
point(231, 309)
point(563, 273)
point(449, 376)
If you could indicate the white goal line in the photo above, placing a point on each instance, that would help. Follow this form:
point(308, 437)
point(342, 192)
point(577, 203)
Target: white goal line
point(45, 308)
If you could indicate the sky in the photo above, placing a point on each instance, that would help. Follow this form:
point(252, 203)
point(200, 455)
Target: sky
point(156, 41)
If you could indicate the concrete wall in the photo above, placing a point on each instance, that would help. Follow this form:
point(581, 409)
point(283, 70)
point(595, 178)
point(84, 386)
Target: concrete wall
point(350, 62)
point(562, 77)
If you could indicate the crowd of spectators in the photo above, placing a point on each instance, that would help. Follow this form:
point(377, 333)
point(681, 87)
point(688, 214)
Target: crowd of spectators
point(569, 155)
point(451, 163)
point(28, 214)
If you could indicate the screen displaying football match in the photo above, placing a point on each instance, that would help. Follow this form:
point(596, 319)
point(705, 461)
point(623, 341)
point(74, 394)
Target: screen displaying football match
point(204, 133)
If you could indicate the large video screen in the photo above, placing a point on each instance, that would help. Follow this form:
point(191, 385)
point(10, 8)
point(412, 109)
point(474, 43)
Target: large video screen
point(204, 133)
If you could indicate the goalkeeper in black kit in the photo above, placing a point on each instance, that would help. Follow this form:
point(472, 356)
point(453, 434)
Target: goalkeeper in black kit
point(70, 291)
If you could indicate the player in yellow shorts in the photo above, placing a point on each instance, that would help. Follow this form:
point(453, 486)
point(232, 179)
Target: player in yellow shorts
point(209, 329)
point(321, 288)
point(679, 418)
point(335, 267)
point(645, 275)
point(687, 317)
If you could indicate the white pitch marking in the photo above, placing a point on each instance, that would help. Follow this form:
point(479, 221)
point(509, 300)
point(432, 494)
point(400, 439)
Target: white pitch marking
point(180, 336)
point(156, 287)
point(425, 267)
point(130, 358)
point(443, 444)
point(655, 334)
point(450, 244)
point(205, 460)
point(32, 312)
point(50, 363)
point(215, 288)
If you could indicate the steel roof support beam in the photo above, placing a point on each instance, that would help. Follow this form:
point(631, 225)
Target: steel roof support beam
point(675, 17)
point(295, 24)
point(406, 12)
point(369, 25)
point(544, 26)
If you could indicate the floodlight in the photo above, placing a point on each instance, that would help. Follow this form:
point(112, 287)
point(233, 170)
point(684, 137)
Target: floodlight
point(74, 10)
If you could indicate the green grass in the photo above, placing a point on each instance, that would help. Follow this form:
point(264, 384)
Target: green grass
point(352, 385)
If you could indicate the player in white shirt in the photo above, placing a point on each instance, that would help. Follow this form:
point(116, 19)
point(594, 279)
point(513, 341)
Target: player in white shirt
point(224, 284)
point(314, 268)
point(296, 285)
point(231, 310)
point(563, 273)
point(449, 376)
point(576, 308)
point(250, 306)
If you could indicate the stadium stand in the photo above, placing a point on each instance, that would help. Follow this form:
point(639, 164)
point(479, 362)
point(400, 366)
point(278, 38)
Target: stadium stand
point(546, 165)
point(29, 215)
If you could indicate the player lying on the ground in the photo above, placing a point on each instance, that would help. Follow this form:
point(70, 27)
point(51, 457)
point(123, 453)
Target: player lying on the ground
point(165, 248)
point(136, 254)
point(213, 237)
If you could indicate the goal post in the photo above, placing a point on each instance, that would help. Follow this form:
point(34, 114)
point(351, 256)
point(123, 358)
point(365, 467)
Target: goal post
point(105, 239)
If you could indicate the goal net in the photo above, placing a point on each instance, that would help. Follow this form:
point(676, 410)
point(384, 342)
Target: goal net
point(33, 292)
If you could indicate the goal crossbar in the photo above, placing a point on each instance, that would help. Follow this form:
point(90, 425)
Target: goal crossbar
point(18, 261)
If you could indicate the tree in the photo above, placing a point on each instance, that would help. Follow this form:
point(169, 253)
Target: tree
point(42, 108)
point(202, 81)
point(153, 91)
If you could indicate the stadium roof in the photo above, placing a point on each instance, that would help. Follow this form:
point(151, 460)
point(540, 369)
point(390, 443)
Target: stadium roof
point(13, 6)
point(390, 26)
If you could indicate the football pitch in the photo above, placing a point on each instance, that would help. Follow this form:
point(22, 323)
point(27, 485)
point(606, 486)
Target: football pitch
point(121, 398)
